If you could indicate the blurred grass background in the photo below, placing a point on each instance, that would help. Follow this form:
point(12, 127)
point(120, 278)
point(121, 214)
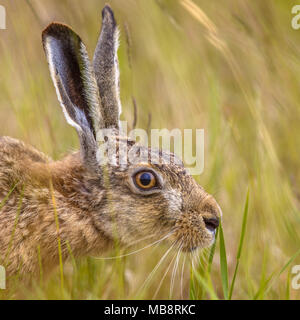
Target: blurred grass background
point(232, 69)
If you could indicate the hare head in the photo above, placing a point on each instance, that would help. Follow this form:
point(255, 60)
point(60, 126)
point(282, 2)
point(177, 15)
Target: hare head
point(133, 200)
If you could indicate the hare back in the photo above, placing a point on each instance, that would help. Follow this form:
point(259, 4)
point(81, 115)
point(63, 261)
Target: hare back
point(33, 189)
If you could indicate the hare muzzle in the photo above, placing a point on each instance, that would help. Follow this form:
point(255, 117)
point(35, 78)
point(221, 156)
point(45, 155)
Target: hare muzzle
point(198, 223)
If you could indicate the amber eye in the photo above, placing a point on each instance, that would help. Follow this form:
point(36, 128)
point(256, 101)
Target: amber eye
point(145, 180)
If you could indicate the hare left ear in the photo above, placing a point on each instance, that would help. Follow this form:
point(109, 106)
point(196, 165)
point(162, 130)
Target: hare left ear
point(75, 84)
point(106, 68)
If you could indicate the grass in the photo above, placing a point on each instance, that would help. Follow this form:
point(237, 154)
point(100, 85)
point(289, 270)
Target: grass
point(238, 256)
point(232, 69)
point(223, 264)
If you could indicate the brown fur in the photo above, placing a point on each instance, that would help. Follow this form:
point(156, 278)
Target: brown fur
point(78, 202)
point(88, 209)
point(28, 215)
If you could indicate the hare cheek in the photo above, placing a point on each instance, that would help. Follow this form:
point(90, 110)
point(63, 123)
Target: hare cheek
point(173, 200)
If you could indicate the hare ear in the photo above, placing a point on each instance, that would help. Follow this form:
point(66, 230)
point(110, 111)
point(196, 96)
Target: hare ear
point(106, 69)
point(75, 83)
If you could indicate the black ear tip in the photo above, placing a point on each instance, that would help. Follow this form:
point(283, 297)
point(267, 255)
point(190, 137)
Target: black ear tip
point(55, 29)
point(59, 31)
point(48, 29)
point(108, 13)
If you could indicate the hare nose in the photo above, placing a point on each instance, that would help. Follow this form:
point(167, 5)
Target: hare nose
point(211, 213)
point(211, 223)
point(210, 207)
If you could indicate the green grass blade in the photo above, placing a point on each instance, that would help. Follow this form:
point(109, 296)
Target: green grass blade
point(12, 236)
point(233, 279)
point(269, 282)
point(242, 237)
point(212, 253)
point(263, 286)
point(287, 290)
point(40, 265)
point(206, 285)
point(192, 285)
point(2, 203)
point(223, 263)
point(283, 269)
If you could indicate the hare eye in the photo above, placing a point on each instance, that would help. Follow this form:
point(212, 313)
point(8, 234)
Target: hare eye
point(145, 180)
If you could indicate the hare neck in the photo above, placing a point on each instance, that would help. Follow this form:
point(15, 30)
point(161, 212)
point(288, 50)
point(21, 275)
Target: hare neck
point(76, 194)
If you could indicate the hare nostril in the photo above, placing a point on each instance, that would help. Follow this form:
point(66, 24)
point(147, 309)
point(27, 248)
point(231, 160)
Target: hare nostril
point(211, 223)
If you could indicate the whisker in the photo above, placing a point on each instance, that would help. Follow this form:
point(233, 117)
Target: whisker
point(161, 281)
point(174, 271)
point(193, 265)
point(149, 278)
point(201, 259)
point(181, 280)
point(136, 251)
point(197, 258)
point(138, 241)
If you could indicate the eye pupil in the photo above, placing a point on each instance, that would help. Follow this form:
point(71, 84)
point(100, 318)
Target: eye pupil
point(145, 179)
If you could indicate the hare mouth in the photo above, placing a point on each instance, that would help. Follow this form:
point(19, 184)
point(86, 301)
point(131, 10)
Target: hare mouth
point(193, 249)
point(200, 244)
point(196, 234)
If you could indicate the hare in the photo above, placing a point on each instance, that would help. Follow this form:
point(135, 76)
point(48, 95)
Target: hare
point(79, 204)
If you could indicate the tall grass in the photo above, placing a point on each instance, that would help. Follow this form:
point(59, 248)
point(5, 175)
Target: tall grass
point(232, 69)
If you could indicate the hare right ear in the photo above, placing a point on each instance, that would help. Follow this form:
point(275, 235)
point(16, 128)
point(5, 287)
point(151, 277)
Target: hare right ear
point(75, 84)
point(106, 68)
